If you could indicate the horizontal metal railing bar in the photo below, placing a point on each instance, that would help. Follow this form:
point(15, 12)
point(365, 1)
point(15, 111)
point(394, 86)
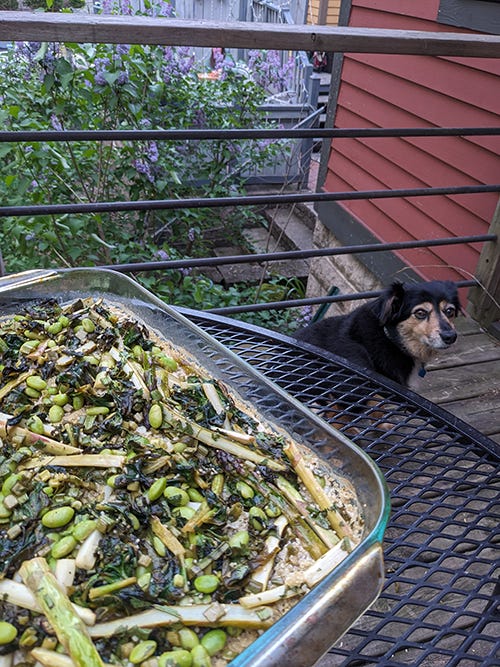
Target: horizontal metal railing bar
point(295, 254)
point(254, 200)
point(313, 301)
point(22, 136)
point(114, 29)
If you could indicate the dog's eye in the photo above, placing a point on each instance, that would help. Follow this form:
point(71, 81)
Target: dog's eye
point(421, 314)
point(450, 312)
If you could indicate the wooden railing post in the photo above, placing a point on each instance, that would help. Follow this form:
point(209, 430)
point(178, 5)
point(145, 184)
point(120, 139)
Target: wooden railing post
point(484, 299)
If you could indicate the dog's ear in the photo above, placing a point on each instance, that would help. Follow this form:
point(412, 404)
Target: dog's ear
point(389, 304)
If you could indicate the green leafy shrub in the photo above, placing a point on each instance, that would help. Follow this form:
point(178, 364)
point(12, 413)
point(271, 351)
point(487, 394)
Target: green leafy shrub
point(100, 87)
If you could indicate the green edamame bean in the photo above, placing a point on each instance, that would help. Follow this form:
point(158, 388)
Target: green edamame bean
point(177, 658)
point(97, 410)
point(214, 641)
point(56, 413)
point(78, 402)
point(54, 328)
point(83, 529)
point(156, 489)
point(36, 382)
point(176, 496)
point(245, 490)
point(88, 325)
point(155, 416)
point(8, 632)
point(206, 583)
point(165, 361)
point(159, 547)
point(60, 399)
point(195, 495)
point(272, 510)
point(9, 482)
point(142, 651)
point(35, 424)
point(58, 517)
point(188, 638)
point(258, 518)
point(239, 540)
point(64, 547)
point(200, 656)
point(32, 393)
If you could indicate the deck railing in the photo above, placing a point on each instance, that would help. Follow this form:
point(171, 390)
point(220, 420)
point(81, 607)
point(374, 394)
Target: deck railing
point(24, 26)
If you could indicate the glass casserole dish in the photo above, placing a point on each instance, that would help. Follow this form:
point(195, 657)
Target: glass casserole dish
point(325, 613)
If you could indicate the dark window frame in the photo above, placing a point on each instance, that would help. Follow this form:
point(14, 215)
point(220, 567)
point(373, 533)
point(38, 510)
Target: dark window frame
point(478, 15)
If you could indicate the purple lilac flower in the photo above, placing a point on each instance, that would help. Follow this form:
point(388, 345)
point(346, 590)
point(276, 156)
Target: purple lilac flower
point(162, 255)
point(55, 122)
point(126, 8)
point(100, 65)
point(152, 151)
point(107, 6)
point(122, 49)
point(262, 144)
point(268, 70)
point(165, 9)
point(142, 167)
point(185, 59)
point(123, 78)
point(306, 315)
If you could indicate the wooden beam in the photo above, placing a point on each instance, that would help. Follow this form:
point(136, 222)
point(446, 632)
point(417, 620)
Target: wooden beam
point(110, 29)
point(484, 300)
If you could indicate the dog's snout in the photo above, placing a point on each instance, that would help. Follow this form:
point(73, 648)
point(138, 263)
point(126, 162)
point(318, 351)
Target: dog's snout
point(448, 336)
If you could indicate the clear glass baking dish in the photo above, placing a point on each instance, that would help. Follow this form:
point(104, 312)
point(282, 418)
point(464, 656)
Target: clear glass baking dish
point(323, 615)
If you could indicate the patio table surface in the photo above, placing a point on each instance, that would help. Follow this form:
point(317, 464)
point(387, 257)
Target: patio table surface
point(440, 602)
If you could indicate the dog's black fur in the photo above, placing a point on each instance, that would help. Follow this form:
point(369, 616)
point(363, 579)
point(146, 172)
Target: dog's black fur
point(395, 334)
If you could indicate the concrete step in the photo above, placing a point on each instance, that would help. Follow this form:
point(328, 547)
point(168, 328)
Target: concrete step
point(262, 241)
point(292, 225)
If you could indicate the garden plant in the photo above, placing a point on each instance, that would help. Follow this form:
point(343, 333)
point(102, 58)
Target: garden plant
point(51, 86)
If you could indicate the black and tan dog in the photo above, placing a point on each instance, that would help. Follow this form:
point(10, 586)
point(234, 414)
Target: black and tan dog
point(396, 334)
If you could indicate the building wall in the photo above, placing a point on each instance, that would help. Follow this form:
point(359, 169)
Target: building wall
point(333, 10)
point(414, 91)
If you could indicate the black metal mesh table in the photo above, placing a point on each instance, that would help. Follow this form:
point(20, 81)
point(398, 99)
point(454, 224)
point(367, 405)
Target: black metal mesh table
point(440, 604)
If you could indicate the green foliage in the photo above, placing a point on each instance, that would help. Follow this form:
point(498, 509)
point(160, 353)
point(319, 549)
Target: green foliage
point(199, 292)
point(91, 87)
point(54, 5)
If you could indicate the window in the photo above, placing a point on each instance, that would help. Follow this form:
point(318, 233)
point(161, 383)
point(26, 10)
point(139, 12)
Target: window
point(480, 15)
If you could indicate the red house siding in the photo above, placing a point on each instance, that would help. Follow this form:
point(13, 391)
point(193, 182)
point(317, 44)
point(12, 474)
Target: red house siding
point(417, 91)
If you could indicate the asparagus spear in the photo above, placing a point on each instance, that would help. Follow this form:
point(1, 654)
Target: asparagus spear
point(316, 491)
point(214, 439)
point(17, 593)
point(68, 626)
point(195, 614)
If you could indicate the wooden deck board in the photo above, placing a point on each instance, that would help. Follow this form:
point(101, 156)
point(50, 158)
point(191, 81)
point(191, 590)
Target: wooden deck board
point(466, 380)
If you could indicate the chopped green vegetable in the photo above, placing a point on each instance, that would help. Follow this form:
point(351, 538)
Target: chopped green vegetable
point(55, 604)
point(151, 516)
